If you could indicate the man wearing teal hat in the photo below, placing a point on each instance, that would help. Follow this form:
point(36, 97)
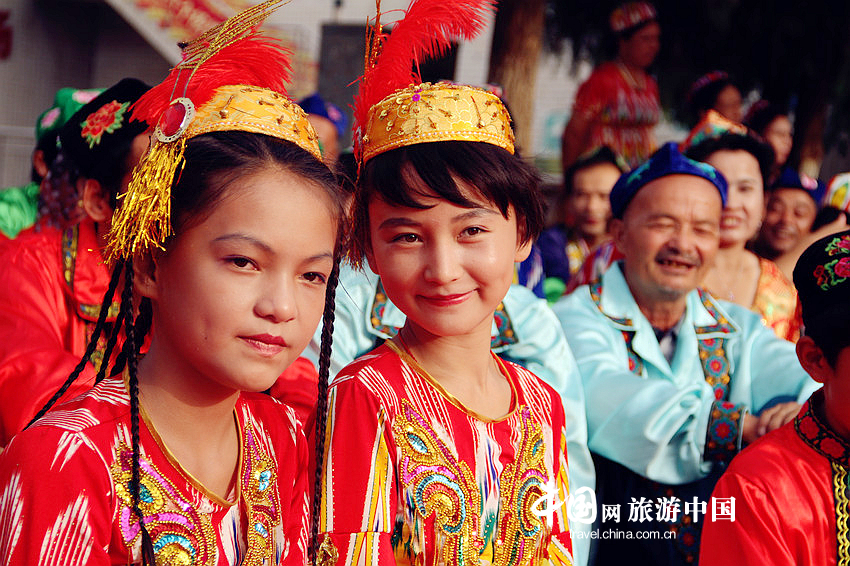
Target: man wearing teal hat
point(19, 205)
point(673, 378)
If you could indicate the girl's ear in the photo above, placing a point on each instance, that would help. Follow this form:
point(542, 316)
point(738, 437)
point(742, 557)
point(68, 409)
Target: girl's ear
point(144, 275)
point(813, 361)
point(96, 201)
point(522, 251)
point(370, 259)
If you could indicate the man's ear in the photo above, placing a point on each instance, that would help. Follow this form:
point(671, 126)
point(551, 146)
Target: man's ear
point(38, 163)
point(96, 201)
point(813, 360)
point(144, 275)
point(616, 229)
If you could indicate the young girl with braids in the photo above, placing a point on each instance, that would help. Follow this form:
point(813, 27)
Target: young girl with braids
point(438, 451)
point(227, 244)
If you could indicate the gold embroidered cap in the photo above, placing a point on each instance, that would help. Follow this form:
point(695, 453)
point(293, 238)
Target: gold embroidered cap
point(436, 112)
point(258, 110)
point(231, 79)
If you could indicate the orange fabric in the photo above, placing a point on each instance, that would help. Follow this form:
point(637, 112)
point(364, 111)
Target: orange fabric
point(776, 301)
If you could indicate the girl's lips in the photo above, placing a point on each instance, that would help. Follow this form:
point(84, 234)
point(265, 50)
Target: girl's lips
point(265, 344)
point(446, 300)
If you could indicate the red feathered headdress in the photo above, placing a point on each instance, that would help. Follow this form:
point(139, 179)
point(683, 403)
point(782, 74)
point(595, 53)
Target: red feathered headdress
point(427, 30)
point(230, 78)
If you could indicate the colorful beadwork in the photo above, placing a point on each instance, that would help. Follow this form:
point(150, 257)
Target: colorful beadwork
point(183, 534)
point(436, 483)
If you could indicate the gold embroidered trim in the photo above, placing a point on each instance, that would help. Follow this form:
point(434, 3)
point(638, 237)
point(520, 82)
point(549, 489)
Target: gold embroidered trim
point(408, 358)
point(842, 514)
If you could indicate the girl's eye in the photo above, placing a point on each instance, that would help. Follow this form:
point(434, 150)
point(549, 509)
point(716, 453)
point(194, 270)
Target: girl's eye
point(473, 231)
point(241, 262)
point(406, 238)
point(314, 277)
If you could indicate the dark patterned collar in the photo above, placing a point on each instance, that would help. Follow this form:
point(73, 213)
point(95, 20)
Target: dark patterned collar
point(812, 427)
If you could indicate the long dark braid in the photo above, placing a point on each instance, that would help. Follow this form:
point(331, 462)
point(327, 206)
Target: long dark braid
point(148, 558)
point(110, 345)
point(92, 345)
point(322, 404)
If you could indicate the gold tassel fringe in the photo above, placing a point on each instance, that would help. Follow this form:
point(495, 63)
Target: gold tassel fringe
point(143, 217)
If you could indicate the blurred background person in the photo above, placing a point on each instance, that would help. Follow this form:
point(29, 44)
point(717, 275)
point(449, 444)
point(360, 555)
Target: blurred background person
point(715, 91)
point(737, 274)
point(618, 105)
point(583, 221)
point(793, 202)
point(773, 124)
point(19, 206)
point(330, 123)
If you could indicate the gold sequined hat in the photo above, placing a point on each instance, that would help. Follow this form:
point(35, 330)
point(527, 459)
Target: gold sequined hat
point(393, 108)
point(231, 78)
point(436, 112)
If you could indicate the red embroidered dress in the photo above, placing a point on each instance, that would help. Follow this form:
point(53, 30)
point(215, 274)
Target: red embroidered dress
point(65, 490)
point(622, 113)
point(792, 498)
point(412, 477)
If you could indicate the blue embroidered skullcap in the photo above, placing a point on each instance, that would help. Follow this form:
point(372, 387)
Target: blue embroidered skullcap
point(315, 104)
point(666, 161)
point(790, 179)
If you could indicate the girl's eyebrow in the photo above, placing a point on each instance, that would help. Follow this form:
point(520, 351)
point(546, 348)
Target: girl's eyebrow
point(244, 238)
point(400, 221)
point(265, 247)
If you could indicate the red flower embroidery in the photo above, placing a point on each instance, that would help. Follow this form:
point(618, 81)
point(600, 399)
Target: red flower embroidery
point(722, 430)
point(820, 274)
point(808, 428)
point(832, 448)
point(108, 118)
point(842, 269)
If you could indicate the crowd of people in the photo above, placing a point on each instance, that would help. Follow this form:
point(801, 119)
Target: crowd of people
point(224, 340)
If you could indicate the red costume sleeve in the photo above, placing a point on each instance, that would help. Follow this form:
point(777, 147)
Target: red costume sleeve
point(36, 329)
point(55, 505)
point(297, 387)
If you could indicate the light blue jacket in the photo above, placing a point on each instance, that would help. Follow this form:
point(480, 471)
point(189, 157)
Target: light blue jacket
point(538, 344)
point(656, 423)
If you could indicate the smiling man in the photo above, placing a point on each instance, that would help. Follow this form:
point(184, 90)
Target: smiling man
point(673, 378)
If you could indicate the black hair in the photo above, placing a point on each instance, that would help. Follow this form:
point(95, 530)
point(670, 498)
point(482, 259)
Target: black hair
point(761, 114)
point(829, 339)
point(761, 151)
point(827, 215)
point(600, 155)
point(400, 176)
point(212, 162)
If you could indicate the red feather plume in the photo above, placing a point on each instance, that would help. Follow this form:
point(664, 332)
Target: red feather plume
point(427, 30)
point(254, 60)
